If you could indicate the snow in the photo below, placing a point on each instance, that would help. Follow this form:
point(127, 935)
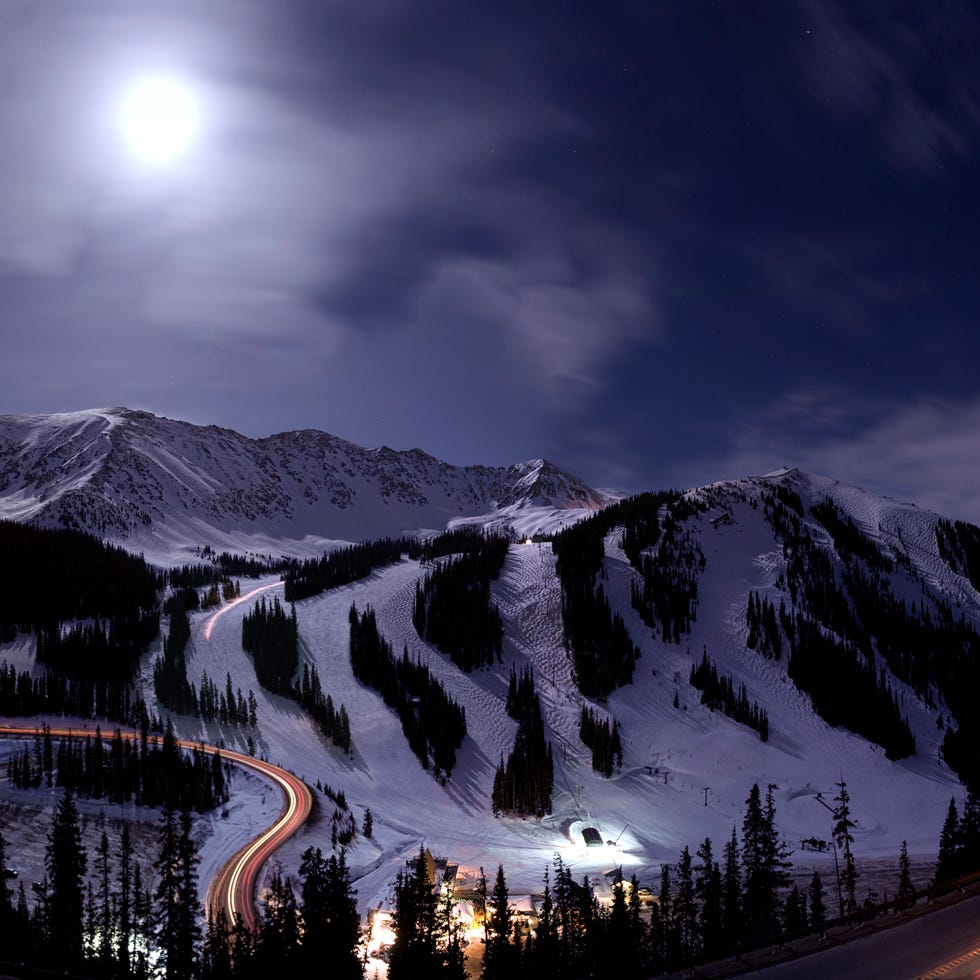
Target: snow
point(687, 771)
point(164, 487)
point(26, 816)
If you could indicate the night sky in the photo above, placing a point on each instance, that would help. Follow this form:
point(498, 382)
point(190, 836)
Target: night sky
point(660, 242)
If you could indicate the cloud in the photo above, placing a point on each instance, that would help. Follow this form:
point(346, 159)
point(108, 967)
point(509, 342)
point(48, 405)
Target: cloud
point(343, 184)
point(926, 451)
point(848, 279)
point(905, 73)
point(568, 301)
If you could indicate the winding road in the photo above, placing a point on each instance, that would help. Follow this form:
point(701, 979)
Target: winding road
point(233, 889)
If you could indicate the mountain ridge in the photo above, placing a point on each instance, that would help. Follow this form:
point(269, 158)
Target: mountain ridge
point(823, 601)
point(150, 482)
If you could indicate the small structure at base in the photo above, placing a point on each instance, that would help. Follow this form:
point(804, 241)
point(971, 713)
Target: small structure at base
point(592, 837)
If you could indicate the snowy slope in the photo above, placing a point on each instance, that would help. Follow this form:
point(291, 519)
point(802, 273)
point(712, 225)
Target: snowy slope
point(163, 487)
point(657, 803)
point(687, 771)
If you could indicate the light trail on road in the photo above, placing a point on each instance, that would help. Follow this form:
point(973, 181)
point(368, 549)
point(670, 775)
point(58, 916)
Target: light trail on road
point(209, 625)
point(946, 970)
point(233, 888)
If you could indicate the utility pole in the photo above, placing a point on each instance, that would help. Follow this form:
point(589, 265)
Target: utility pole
point(707, 790)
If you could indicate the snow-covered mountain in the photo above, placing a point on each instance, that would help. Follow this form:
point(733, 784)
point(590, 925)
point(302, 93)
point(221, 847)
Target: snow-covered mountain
point(155, 484)
point(686, 769)
point(808, 547)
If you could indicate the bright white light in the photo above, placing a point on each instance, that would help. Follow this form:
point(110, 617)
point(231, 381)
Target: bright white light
point(159, 118)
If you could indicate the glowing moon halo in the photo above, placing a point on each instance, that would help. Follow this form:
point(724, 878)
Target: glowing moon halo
point(159, 118)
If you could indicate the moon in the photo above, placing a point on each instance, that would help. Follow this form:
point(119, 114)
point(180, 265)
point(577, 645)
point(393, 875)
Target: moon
point(159, 118)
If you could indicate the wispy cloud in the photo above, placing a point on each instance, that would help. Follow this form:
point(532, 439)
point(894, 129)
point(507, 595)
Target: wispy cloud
point(849, 280)
point(566, 301)
point(905, 73)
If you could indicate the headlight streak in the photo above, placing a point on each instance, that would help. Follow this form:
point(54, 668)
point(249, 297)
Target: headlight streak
point(233, 888)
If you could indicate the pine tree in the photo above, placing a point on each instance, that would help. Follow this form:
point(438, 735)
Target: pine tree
point(450, 940)
point(278, 948)
point(167, 893)
point(968, 836)
point(764, 863)
point(216, 955)
point(731, 898)
point(20, 933)
point(41, 915)
point(124, 886)
point(414, 951)
point(328, 912)
point(500, 959)
point(564, 915)
point(818, 913)
point(757, 900)
point(588, 915)
point(946, 860)
point(544, 959)
point(685, 907)
point(182, 964)
point(667, 940)
point(708, 891)
point(778, 850)
point(142, 926)
point(620, 947)
point(90, 928)
point(636, 922)
point(794, 915)
point(905, 887)
point(245, 952)
point(65, 862)
point(843, 825)
point(103, 947)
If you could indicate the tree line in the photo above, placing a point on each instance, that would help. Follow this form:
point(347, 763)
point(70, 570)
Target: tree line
point(103, 649)
point(669, 561)
point(433, 723)
point(170, 683)
point(116, 922)
point(603, 739)
point(83, 577)
point(832, 655)
point(709, 904)
point(171, 686)
point(333, 722)
point(345, 565)
point(603, 652)
point(522, 784)
point(667, 600)
point(959, 841)
point(216, 568)
point(845, 688)
point(452, 608)
point(116, 919)
point(718, 693)
point(271, 636)
point(122, 770)
point(959, 547)
point(764, 636)
point(22, 694)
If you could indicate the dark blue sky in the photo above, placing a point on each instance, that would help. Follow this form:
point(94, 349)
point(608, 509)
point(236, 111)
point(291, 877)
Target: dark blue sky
point(660, 242)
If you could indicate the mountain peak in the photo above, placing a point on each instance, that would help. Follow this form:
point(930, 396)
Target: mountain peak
point(148, 482)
